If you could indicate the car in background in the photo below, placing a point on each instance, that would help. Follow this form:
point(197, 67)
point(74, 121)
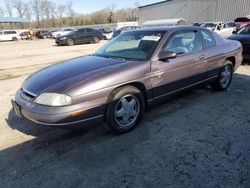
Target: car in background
point(24, 35)
point(107, 32)
point(63, 31)
point(219, 27)
point(42, 34)
point(80, 36)
point(196, 24)
point(9, 35)
point(241, 22)
point(133, 71)
point(124, 29)
point(243, 36)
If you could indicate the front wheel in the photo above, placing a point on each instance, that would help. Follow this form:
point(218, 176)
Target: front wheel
point(70, 42)
point(96, 39)
point(224, 78)
point(125, 110)
point(14, 39)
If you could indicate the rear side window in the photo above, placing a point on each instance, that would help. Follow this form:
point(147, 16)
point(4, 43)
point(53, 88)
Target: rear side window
point(9, 32)
point(0, 32)
point(183, 43)
point(209, 40)
point(68, 29)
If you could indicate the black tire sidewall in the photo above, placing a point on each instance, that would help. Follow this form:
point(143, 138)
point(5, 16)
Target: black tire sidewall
point(110, 112)
point(216, 85)
point(231, 76)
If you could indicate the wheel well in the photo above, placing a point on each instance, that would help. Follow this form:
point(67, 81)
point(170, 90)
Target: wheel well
point(138, 85)
point(232, 59)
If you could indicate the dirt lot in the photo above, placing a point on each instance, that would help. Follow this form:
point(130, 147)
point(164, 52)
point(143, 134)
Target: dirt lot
point(198, 140)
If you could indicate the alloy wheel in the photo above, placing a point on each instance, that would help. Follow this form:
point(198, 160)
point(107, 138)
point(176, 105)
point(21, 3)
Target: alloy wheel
point(127, 110)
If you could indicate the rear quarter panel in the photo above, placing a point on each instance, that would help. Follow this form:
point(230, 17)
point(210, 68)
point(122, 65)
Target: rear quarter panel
point(225, 49)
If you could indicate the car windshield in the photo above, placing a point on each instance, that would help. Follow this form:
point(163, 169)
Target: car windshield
point(134, 45)
point(245, 30)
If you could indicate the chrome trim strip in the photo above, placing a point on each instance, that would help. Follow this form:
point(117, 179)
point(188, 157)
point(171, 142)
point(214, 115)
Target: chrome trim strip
point(175, 91)
point(30, 93)
point(64, 124)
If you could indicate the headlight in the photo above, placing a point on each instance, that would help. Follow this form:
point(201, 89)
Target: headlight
point(63, 38)
point(53, 99)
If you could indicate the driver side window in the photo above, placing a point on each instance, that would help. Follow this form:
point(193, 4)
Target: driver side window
point(184, 43)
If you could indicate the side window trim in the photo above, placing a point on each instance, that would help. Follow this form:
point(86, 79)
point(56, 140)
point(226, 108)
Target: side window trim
point(210, 35)
point(185, 31)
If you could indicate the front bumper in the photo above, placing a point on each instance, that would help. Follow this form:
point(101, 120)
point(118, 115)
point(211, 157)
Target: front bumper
point(66, 116)
point(60, 42)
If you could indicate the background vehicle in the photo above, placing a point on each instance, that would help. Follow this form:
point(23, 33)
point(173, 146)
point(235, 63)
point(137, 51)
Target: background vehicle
point(42, 34)
point(107, 32)
point(80, 36)
point(136, 69)
point(24, 35)
point(241, 22)
point(124, 29)
point(9, 35)
point(219, 27)
point(164, 22)
point(243, 36)
point(61, 32)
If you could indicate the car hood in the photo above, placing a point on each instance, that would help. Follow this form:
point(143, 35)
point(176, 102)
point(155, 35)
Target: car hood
point(59, 77)
point(241, 38)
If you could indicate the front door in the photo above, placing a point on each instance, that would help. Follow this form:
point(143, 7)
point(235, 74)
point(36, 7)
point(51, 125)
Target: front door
point(187, 69)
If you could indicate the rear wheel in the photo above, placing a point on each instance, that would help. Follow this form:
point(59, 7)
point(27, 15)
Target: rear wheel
point(225, 77)
point(125, 110)
point(96, 39)
point(14, 39)
point(70, 42)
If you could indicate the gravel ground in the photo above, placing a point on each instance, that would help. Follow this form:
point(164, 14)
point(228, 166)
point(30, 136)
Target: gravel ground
point(200, 139)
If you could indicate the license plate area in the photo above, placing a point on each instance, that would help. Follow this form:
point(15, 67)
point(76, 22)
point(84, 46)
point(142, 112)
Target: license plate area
point(16, 108)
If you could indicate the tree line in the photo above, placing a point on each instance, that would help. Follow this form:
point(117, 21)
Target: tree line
point(48, 14)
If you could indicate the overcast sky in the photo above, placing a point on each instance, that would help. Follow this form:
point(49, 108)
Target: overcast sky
point(87, 6)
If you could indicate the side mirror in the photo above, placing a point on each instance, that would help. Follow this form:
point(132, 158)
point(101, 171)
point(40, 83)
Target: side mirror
point(164, 55)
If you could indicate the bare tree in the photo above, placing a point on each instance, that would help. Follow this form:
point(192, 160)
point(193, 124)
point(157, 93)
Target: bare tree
point(70, 12)
point(28, 13)
point(53, 13)
point(60, 12)
point(45, 8)
point(1, 11)
point(36, 10)
point(9, 8)
point(20, 7)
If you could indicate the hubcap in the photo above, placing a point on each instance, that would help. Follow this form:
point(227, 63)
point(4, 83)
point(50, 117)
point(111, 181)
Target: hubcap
point(225, 76)
point(127, 110)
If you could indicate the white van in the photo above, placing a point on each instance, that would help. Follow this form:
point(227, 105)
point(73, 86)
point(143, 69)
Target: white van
point(9, 35)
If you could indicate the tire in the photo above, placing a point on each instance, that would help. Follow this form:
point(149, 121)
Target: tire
point(14, 39)
point(70, 42)
point(125, 109)
point(224, 78)
point(96, 39)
